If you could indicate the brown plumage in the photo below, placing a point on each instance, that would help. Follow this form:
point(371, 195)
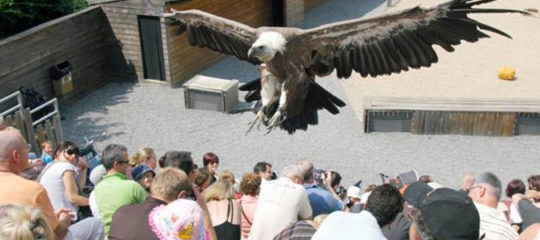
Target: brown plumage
point(294, 57)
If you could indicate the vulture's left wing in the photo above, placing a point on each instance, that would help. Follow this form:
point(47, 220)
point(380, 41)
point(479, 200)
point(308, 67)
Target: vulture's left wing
point(219, 34)
point(390, 43)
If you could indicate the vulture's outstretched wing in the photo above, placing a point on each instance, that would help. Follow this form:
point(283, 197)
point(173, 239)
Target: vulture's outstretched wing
point(219, 34)
point(390, 43)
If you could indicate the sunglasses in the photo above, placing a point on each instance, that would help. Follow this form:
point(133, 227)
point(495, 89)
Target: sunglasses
point(122, 162)
point(72, 152)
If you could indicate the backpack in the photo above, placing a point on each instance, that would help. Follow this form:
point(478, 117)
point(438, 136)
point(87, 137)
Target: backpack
point(33, 99)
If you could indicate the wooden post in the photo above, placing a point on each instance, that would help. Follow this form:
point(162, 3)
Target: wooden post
point(30, 137)
point(19, 123)
point(57, 126)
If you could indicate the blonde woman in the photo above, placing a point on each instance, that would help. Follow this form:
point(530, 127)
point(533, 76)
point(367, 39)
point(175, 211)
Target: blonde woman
point(146, 156)
point(22, 222)
point(224, 209)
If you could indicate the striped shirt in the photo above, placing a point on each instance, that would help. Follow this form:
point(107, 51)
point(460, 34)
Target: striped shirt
point(301, 230)
point(493, 223)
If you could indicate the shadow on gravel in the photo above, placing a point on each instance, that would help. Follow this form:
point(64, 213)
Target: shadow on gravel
point(85, 117)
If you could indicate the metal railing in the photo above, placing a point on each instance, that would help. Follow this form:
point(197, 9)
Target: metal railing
point(47, 127)
point(51, 114)
point(19, 105)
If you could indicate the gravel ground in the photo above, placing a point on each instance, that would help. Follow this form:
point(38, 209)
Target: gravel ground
point(138, 115)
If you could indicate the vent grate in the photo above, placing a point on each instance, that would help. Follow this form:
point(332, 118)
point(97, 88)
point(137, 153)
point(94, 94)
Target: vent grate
point(527, 124)
point(389, 121)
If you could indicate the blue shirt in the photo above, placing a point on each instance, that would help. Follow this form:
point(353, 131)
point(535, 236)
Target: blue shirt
point(46, 158)
point(322, 201)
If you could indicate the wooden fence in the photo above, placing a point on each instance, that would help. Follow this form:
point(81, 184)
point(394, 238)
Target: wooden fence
point(35, 132)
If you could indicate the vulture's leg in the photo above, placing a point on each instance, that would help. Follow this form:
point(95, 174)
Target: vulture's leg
point(270, 93)
point(278, 118)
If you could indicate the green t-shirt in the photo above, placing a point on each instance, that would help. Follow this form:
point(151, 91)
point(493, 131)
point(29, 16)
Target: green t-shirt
point(113, 192)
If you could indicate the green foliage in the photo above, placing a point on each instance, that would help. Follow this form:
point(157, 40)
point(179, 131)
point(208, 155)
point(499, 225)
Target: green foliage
point(19, 15)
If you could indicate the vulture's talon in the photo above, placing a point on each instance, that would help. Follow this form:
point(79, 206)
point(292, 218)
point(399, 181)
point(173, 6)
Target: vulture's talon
point(275, 121)
point(259, 119)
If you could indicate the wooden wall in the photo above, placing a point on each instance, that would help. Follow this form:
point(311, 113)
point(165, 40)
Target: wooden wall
point(185, 61)
point(294, 12)
point(310, 4)
point(83, 38)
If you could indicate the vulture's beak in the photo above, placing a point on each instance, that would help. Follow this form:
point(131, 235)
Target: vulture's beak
point(250, 52)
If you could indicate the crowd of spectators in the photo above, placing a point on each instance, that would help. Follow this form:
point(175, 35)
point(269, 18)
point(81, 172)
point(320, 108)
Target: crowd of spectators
point(142, 197)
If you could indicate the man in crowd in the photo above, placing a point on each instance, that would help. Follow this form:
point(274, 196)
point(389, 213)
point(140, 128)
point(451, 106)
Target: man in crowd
point(131, 221)
point(282, 202)
point(13, 159)
point(322, 201)
point(115, 191)
point(443, 213)
point(264, 170)
point(486, 193)
point(383, 204)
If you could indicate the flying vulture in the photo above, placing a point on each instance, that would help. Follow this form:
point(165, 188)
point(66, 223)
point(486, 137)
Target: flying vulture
point(289, 59)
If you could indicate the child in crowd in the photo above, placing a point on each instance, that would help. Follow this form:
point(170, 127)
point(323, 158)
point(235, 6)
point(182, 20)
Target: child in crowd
point(144, 175)
point(46, 151)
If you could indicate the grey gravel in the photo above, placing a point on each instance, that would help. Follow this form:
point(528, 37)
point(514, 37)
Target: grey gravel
point(139, 115)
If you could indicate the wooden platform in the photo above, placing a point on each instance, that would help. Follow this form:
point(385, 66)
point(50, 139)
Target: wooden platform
point(484, 117)
point(452, 104)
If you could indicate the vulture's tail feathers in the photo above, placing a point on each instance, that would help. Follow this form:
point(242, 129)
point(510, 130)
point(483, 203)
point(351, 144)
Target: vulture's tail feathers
point(317, 98)
point(251, 85)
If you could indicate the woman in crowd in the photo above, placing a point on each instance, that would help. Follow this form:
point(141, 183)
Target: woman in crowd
point(514, 187)
point(250, 187)
point(211, 162)
point(202, 180)
point(64, 178)
point(534, 186)
point(224, 209)
point(24, 222)
point(144, 175)
point(145, 156)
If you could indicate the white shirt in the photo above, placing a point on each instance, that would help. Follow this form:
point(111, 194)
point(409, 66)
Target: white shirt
point(343, 225)
point(52, 179)
point(493, 223)
point(281, 203)
point(93, 205)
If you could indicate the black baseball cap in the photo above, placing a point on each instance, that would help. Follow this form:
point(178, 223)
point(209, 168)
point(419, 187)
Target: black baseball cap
point(447, 213)
point(416, 192)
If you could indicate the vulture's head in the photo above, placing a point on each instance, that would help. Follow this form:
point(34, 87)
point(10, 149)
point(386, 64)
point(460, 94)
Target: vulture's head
point(267, 45)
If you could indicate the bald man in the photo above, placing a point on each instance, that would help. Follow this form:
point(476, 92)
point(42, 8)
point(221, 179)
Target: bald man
point(17, 190)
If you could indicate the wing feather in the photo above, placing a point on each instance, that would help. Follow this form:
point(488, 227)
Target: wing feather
point(393, 42)
point(216, 33)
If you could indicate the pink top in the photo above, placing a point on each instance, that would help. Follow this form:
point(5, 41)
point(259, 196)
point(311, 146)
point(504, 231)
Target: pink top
point(249, 206)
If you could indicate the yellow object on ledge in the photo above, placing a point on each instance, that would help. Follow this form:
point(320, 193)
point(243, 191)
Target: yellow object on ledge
point(506, 73)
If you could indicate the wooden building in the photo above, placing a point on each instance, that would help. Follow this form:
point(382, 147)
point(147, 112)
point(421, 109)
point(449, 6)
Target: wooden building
point(158, 56)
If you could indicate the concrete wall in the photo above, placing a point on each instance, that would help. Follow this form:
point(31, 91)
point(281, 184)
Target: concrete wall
point(84, 39)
